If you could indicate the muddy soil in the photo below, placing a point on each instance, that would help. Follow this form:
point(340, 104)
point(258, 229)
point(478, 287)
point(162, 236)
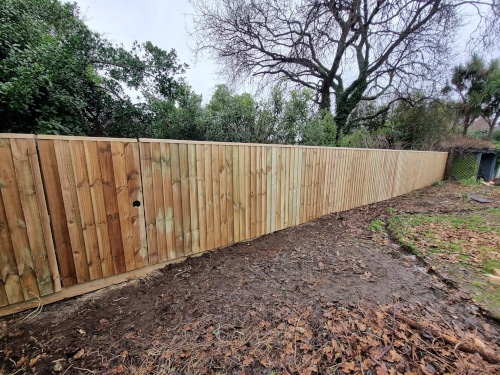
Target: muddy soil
point(299, 277)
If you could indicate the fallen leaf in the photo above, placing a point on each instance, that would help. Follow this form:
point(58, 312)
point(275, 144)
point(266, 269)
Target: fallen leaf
point(34, 360)
point(21, 361)
point(247, 360)
point(382, 370)
point(117, 370)
point(79, 354)
point(58, 367)
point(349, 366)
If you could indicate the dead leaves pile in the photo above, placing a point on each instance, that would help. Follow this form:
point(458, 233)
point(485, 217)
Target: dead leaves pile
point(332, 339)
point(450, 243)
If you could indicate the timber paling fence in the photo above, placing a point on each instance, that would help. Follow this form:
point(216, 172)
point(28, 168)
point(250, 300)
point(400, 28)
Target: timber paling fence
point(78, 214)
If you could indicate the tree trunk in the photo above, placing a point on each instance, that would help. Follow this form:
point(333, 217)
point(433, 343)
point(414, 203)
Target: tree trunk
point(325, 101)
point(466, 124)
point(492, 126)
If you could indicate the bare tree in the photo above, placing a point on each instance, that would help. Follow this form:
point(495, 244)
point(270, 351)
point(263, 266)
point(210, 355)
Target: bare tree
point(352, 50)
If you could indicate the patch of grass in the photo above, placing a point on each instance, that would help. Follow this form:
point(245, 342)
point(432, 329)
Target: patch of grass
point(438, 183)
point(390, 210)
point(471, 181)
point(487, 294)
point(490, 265)
point(452, 238)
point(376, 226)
point(491, 298)
point(478, 284)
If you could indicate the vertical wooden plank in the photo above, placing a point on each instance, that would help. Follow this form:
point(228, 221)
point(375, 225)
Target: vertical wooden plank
point(253, 191)
point(346, 180)
point(258, 192)
point(136, 204)
point(8, 266)
point(60, 231)
point(236, 194)
point(14, 289)
point(307, 185)
point(159, 252)
point(31, 213)
point(397, 181)
point(99, 208)
point(318, 181)
point(4, 301)
point(248, 192)
point(327, 182)
point(279, 189)
point(283, 188)
point(77, 150)
point(216, 195)
point(291, 186)
point(186, 209)
point(223, 195)
point(124, 204)
point(207, 151)
point(389, 173)
point(149, 200)
point(202, 205)
point(193, 199)
point(111, 204)
point(298, 182)
point(44, 216)
point(162, 185)
point(264, 188)
point(242, 187)
point(177, 199)
point(354, 179)
point(66, 173)
point(369, 178)
point(286, 190)
point(229, 189)
point(269, 177)
point(334, 190)
point(314, 183)
point(303, 181)
point(166, 173)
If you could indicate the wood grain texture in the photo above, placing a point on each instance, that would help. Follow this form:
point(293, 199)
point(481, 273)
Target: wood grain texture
point(99, 208)
point(79, 160)
point(55, 203)
point(177, 200)
point(119, 205)
point(111, 206)
point(149, 203)
point(158, 171)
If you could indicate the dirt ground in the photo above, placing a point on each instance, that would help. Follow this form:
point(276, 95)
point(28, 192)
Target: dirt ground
point(326, 297)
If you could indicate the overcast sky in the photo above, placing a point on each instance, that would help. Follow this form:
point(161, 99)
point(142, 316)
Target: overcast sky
point(166, 23)
point(163, 22)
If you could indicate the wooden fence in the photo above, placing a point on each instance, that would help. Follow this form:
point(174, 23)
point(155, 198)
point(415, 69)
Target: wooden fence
point(78, 214)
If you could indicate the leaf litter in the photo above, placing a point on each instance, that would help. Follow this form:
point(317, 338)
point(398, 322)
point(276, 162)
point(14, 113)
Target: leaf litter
point(327, 297)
